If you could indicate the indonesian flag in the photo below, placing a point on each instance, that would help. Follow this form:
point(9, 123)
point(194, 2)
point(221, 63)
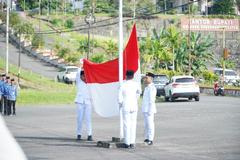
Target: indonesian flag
point(103, 79)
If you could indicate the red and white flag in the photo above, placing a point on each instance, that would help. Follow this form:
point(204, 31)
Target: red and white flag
point(103, 79)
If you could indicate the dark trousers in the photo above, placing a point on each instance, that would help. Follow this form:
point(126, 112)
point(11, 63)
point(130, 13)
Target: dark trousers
point(1, 104)
point(11, 107)
point(5, 110)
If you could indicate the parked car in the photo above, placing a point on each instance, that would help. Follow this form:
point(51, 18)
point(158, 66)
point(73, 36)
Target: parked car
point(67, 74)
point(160, 81)
point(182, 87)
point(230, 75)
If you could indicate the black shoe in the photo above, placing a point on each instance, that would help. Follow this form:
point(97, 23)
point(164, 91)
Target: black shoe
point(150, 142)
point(14, 114)
point(78, 137)
point(132, 146)
point(90, 138)
point(146, 140)
point(126, 146)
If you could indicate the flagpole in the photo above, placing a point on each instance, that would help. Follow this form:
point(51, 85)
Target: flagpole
point(120, 61)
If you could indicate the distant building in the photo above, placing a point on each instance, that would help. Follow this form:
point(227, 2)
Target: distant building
point(204, 6)
point(77, 4)
point(12, 5)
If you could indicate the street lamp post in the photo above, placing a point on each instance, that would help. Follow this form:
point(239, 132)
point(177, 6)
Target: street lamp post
point(7, 37)
point(19, 59)
point(224, 47)
point(165, 7)
point(39, 13)
point(89, 19)
point(189, 40)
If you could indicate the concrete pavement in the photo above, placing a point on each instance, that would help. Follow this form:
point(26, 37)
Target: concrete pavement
point(205, 130)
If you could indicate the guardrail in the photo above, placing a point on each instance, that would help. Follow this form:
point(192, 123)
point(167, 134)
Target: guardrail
point(228, 92)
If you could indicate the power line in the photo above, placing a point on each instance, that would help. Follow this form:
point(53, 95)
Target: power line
point(100, 21)
point(114, 23)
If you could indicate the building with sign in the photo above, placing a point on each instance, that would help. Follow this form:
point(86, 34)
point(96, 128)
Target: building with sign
point(77, 4)
point(204, 6)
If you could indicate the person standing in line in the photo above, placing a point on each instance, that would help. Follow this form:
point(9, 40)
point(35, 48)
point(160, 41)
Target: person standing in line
point(5, 94)
point(1, 94)
point(149, 108)
point(12, 97)
point(2, 84)
point(129, 93)
point(84, 107)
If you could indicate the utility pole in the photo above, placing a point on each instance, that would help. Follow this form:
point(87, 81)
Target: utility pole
point(165, 7)
point(24, 5)
point(224, 47)
point(65, 7)
point(134, 9)
point(48, 10)
point(206, 10)
point(7, 37)
point(39, 15)
point(19, 57)
point(189, 43)
point(89, 19)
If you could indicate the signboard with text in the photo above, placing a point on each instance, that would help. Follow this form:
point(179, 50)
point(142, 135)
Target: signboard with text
point(205, 24)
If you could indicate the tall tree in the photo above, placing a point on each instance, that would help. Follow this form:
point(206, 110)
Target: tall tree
point(224, 7)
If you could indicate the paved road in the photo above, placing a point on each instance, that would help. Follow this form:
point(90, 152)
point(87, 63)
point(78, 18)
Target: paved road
point(205, 130)
point(27, 62)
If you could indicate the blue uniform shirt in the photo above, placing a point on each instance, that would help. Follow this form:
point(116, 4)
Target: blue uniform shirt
point(12, 92)
point(1, 87)
point(5, 89)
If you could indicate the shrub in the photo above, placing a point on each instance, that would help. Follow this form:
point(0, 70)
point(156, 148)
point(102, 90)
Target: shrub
point(3, 16)
point(14, 19)
point(72, 58)
point(37, 41)
point(69, 23)
point(57, 22)
point(209, 76)
point(63, 52)
point(98, 58)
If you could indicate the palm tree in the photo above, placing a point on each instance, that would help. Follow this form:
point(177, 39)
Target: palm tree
point(173, 40)
point(147, 56)
point(111, 49)
point(200, 53)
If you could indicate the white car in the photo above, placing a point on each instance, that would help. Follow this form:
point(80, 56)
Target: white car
point(230, 75)
point(67, 74)
point(182, 87)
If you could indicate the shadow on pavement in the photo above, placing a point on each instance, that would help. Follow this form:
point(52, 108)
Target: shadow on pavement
point(57, 141)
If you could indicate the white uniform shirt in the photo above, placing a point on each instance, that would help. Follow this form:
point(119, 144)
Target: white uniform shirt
point(149, 97)
point(128, 95)
point(83, 96)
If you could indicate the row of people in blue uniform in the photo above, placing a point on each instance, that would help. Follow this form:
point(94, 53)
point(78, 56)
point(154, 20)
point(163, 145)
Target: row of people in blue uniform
point(8, 95)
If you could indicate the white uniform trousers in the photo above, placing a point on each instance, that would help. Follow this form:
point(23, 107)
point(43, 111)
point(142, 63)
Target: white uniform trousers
point(149, 126)
point(129, 127)
point(84, 110)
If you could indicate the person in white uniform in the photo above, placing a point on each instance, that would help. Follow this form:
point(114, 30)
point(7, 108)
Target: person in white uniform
point(128, 99)
point(9, 148)
point(149, 108)
point(84, 107)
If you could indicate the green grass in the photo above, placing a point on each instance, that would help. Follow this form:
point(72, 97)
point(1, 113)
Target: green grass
point(29, 96)
point(36, 89)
